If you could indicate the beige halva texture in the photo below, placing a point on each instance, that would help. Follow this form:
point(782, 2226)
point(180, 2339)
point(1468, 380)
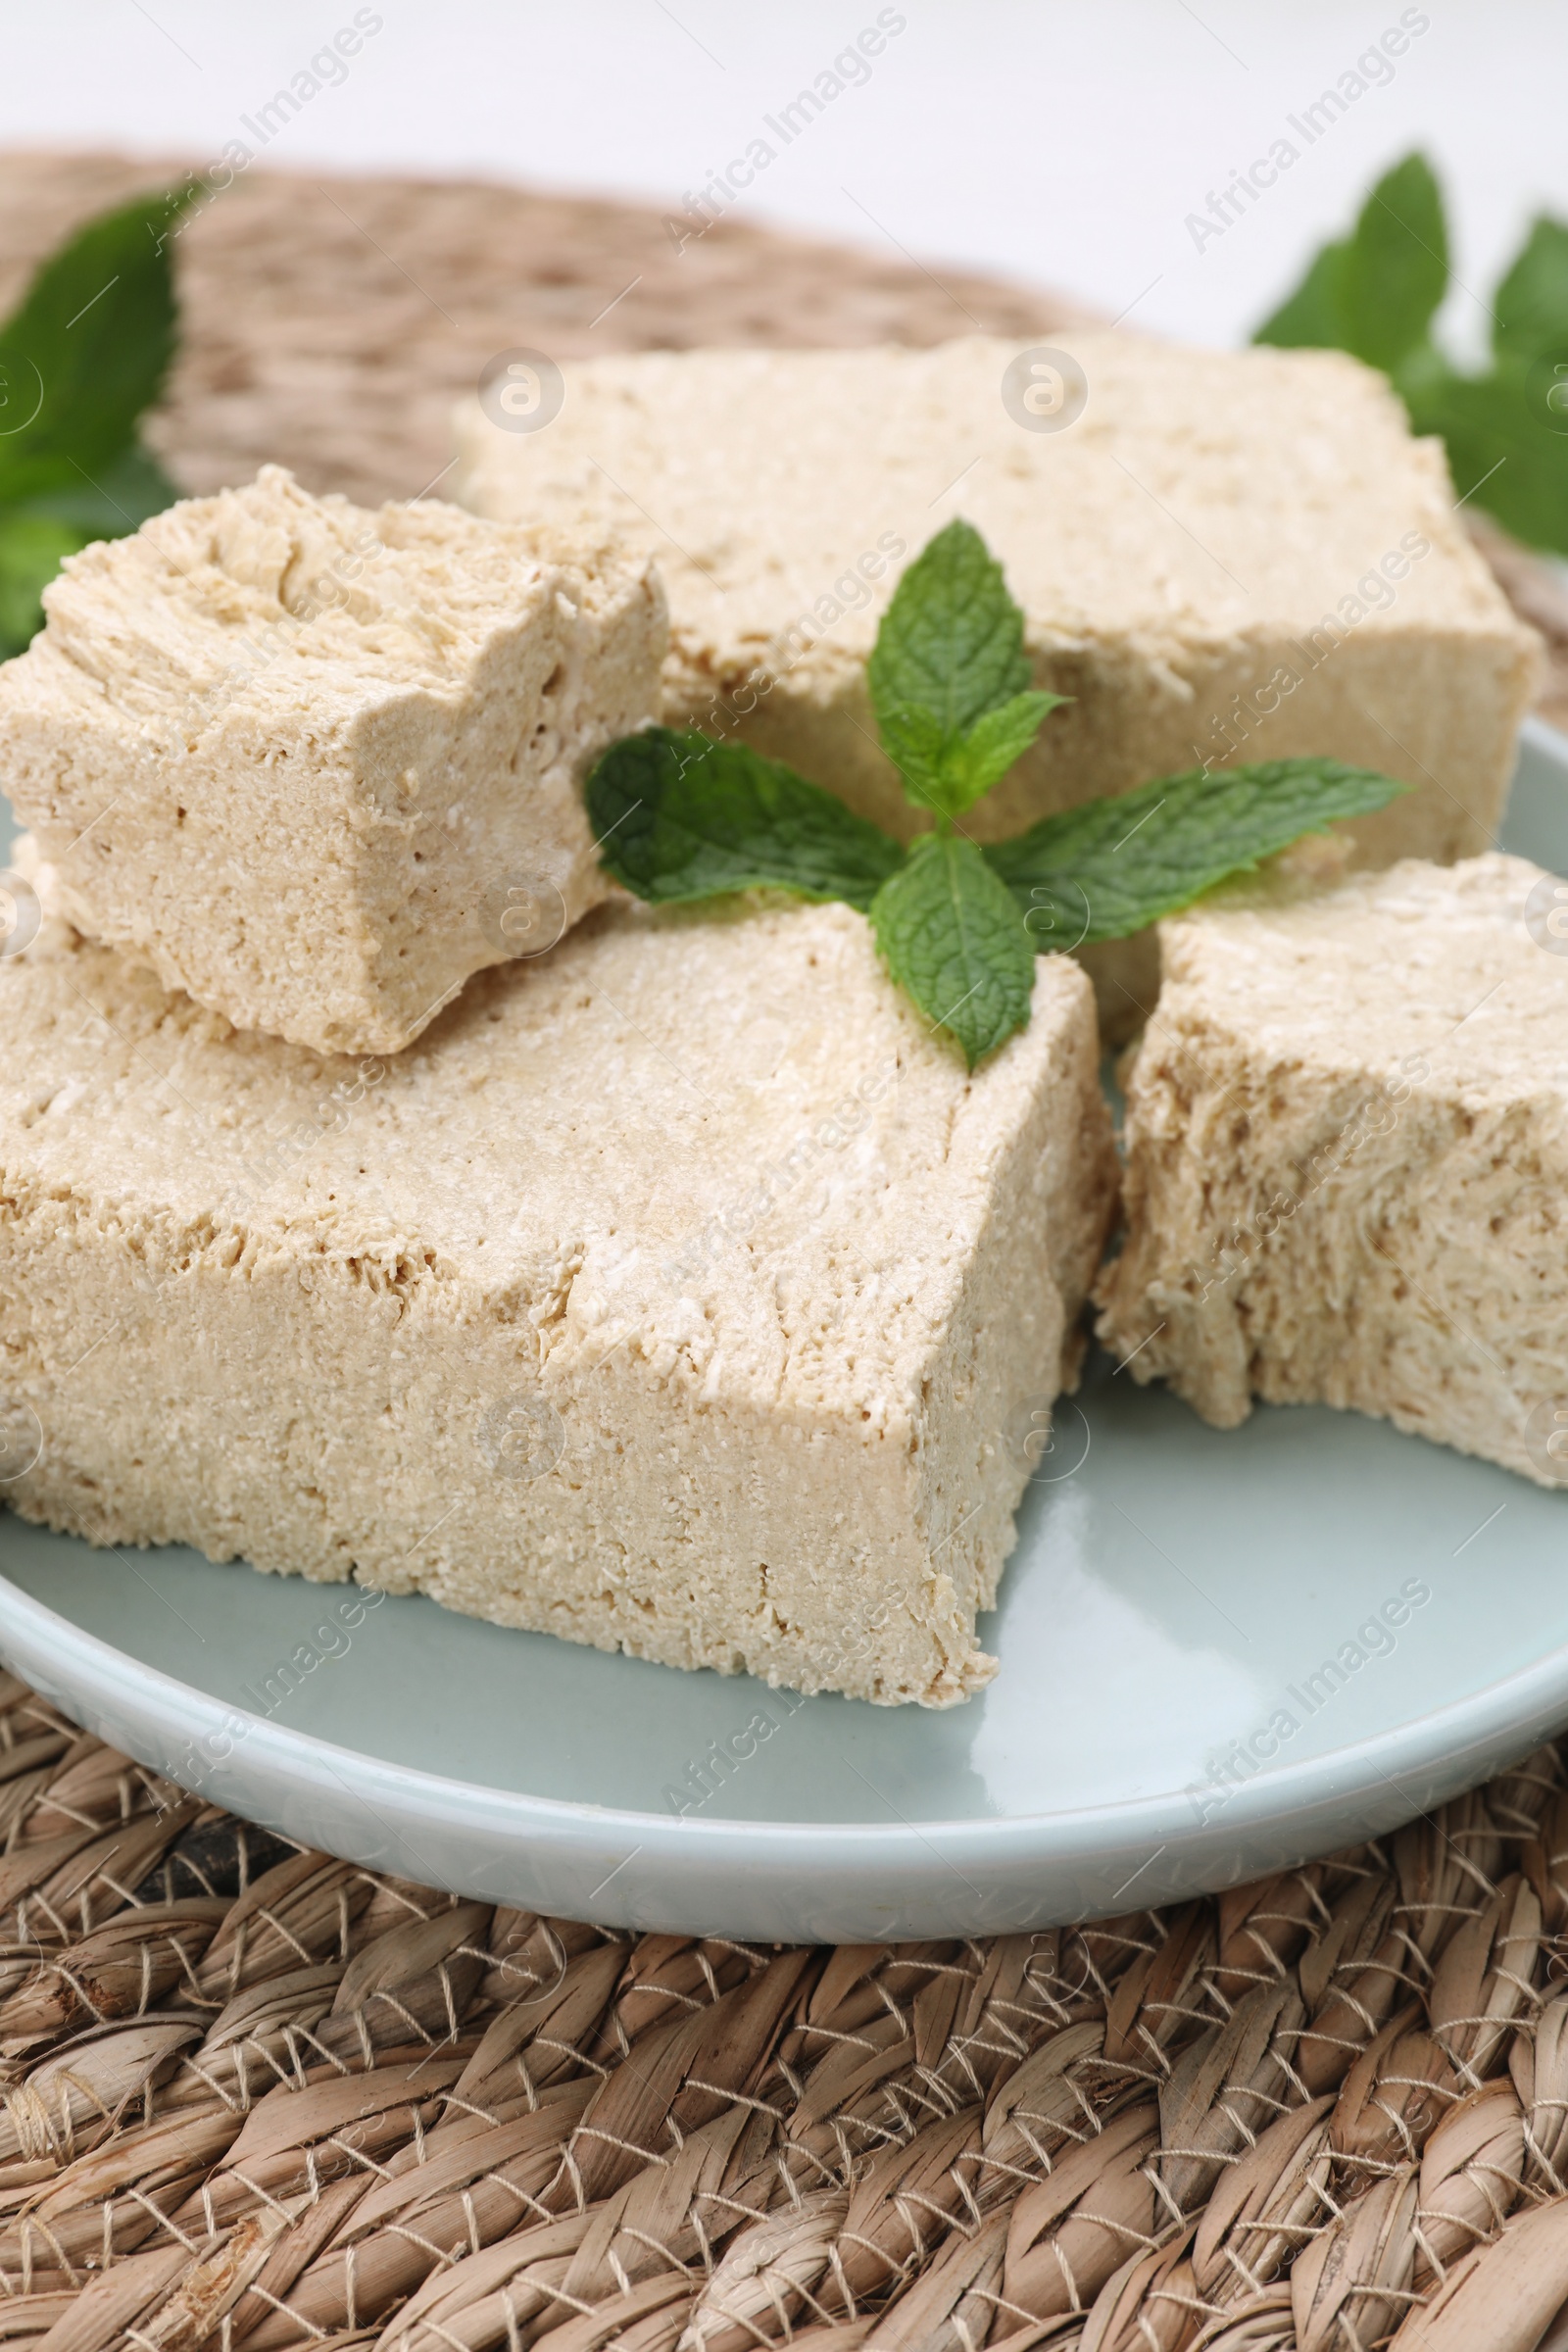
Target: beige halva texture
point(675, 1294)
point(319, 764)
point(1347, 1159)
point(1226, 556)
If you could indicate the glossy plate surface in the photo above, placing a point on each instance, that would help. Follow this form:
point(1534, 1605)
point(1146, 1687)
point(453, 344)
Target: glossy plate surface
point(1175, 1590)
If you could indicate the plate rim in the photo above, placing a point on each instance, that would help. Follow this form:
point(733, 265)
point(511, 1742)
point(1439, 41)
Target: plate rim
point(1443, 1735)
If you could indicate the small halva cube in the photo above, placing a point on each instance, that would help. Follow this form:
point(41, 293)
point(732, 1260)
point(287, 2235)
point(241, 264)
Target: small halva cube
point(317, 766)
point(1348, 1157)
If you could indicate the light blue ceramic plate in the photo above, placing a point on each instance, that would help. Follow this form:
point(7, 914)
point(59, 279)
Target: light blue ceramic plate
point(1175, 1591)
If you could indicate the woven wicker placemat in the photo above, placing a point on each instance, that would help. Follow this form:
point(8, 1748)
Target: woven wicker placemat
point(264, 2099)
point(330, 324)
point(256, 2096)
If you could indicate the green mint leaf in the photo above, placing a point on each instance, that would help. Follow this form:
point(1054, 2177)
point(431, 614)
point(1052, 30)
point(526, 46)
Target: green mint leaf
point(952, 639)
point(923, 750)
point(32, 547)
point(1375, 293)
point(948, 932)
point(1530, 309)
point(1398, 272)
point(945, 769)
point(38, 533)
point(679, 817)
point(88, 349)
point(1313, 318)
point(1500, 451)
point(1506, 431)
point(999, 739)
point(118, 499)
point(1111, 866)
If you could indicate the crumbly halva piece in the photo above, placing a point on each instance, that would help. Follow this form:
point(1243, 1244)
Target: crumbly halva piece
point(319, 764)
point(1224, 556)
point(677, 1293)
point(1347, 1159)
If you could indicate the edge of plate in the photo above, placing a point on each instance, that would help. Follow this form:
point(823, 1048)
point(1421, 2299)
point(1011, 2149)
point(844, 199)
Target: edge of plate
point(776, 1881)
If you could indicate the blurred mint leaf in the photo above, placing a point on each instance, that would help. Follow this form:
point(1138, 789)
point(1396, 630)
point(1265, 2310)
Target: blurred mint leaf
point(1313, 318)
point(680, 817)
point(1530, 309)
point(1505, 447)
point(1376, 292)
point(1110, 868)
point(117, 500)
point(32, 547)
point(1399, 270)
point(87, 350)
point(951, 641)
point(949, 932)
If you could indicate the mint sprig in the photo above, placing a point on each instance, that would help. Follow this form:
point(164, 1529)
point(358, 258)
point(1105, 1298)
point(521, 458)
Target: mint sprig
point(82, 357)
point(1377, 292)
point(681, 818)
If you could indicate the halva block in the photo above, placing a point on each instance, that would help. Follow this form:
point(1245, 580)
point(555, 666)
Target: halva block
point(676, 1293)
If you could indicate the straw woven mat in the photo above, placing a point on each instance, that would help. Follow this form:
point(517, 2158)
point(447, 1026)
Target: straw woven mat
point(258, 2097)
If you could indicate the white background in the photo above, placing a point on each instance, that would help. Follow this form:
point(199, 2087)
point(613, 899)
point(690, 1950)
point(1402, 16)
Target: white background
point(1059, 141)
